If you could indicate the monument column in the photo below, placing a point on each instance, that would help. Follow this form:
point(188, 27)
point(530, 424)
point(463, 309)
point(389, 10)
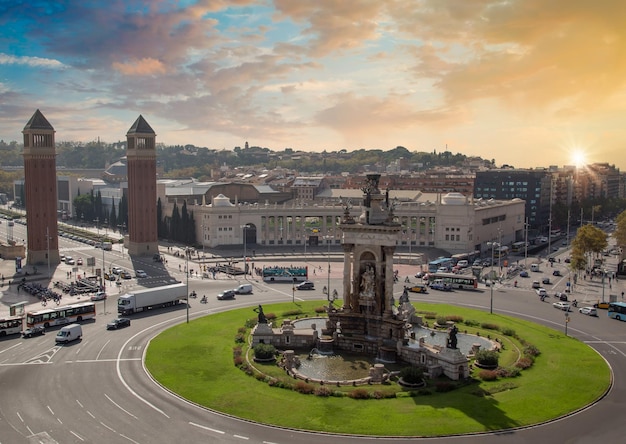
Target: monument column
point(388, 252)
point(40, 183)
point(347, 280)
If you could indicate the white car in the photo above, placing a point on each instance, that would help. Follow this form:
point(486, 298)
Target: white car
point(562, 306)
point(140, 274)
point(117, 270)
point(69, 260)
point(589, 311)
point(541, 292)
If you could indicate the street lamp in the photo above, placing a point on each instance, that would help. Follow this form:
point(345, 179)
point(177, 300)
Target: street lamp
point(493, 245)
point(187, 268)
point(245, 242)
point(203, 241)
point(328, 241)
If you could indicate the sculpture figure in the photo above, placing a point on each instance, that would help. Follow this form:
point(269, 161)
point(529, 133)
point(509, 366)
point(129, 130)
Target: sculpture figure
point(452, 337)
point(262, 319)
point(367, 282)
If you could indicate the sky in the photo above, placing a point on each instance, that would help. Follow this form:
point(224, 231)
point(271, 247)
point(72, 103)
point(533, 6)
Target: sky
point(528, 83)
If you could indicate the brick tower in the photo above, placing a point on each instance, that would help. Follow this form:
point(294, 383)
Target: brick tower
point(40, 183)
point(142, 194)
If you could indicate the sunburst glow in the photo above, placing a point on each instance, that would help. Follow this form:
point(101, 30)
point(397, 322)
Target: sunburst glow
point(579, 158)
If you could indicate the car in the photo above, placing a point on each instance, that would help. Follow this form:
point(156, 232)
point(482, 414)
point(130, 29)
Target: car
point(419, 274)
point(601, 304)
point(561, 296)
point(523, 274)
point(62, 257)
point(140, 274)
point(551, 260)
point(546, 280)
point(99, 296)
point(118, 323)
point(79, 261)
point(69, 260)
point(589, 311)
point(568, 260)
point(562, 306)
point(109, 276)
point(477, 263)
point(306, 285)
point(117, 270)
point(536, 284)
point(418, 288)
point(224, 295)
point(37, 330)
point(541, 292)
point(125, 275)
point(443, 270)
point(556, 273)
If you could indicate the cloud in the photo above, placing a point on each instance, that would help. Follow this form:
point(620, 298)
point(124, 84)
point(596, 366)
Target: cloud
point(35, 62)
point(143, 67)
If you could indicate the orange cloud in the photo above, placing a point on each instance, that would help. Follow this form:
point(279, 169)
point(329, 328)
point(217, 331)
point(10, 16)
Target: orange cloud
point(142, 67)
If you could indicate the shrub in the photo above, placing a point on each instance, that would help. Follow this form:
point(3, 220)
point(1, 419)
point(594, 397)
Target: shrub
point(455, 318)
point(487, 358)
point(441, 320)
point(524, 363)
point(444, 386)
point(471, 323)
point(239, 338)
point(489, 326)
point(429, 314)
point(488, 375)
point(242, 330)
point(323, 391)
point(508, 372)
point(237, 351)
point(507, 331)
point(264, 351)
point(359, 394)
point(412, 375)
point(531, 350)
point(270, 316)
point(304, 388)
point(319, 310)
point(238, 360)
point(250, 323)
point(288, 313)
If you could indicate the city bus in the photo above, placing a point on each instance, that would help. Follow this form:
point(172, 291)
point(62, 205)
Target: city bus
point(66, 314)
point(456, 281)
point(501, 252)
point(285, 274)
point(442, 262)
point(11, 325)
point(617, 310)
point(516, 247)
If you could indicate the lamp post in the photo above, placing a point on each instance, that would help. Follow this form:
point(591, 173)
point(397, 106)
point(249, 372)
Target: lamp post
point(492, 245)
point(187, 268)
point(328, 240)
point(245, 242)
point(203, 241)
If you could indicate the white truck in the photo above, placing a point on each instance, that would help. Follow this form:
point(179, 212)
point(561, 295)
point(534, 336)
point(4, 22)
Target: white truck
point(149, 298)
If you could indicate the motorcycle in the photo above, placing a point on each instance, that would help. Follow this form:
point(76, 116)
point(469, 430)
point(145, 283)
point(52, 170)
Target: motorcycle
point(204, 300)
point(193, 294)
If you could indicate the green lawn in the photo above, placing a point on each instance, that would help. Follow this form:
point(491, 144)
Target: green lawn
point(195, 360)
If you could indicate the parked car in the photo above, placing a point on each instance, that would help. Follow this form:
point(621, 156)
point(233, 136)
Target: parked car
point(536, 284)
point(141, 274)
point(79, 261)
point(546, 280)
point(224, 295)
point(306, 285)
point(589, 311)
point(117, 270)
point(99, 296)
point(33, 331)
point(125, 275)
point(562, 306)
point(523, 274)
point(556, 273)
point(118, 323)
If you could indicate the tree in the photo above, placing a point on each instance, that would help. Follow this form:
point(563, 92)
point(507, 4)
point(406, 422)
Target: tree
point(589, 240)
point(620, 229)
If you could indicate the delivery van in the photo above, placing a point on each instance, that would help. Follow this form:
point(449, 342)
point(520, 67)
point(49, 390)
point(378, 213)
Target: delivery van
point(534, 267)
point(69, 333)
point(244, 289)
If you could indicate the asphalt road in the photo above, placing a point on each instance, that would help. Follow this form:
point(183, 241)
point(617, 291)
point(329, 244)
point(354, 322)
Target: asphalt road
point(97, 390)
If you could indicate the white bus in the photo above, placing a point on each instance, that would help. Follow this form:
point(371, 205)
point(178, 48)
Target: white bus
point(66, 314)
point(456, 281)
point(11, 325)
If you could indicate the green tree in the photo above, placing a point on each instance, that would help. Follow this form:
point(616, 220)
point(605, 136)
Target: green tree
point(620, 229)
point(589, 240)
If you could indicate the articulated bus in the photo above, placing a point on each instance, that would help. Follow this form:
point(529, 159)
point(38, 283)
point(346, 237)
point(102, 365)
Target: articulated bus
point(457, 281)
point(442, 262)
point(285, 274)
point(11, 325)
point(66, 314)
point(617, 310)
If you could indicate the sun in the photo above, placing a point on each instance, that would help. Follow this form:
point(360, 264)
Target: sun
point(579, 158)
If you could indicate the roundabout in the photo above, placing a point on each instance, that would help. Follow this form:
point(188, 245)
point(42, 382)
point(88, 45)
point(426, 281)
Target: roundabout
point(566, 377)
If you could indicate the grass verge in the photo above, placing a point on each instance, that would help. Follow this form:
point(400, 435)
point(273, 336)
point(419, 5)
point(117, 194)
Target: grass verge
point(195, 360)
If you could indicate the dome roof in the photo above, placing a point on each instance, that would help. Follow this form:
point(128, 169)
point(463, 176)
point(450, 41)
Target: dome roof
point(222, 201)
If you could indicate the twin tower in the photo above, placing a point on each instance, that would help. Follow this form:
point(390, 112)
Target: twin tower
point(40, 183)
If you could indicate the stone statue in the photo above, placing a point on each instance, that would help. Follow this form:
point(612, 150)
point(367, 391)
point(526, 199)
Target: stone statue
point(367, 282)
point(262, 318)
point(452, 337)
point(405, 296)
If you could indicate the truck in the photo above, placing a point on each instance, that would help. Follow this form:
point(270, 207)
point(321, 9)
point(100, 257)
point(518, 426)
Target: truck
point(149, 298)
